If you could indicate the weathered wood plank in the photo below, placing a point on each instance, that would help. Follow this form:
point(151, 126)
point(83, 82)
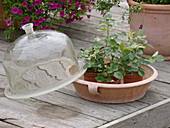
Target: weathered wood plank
point(7, 125)
point(160, 88)
point(152, 97)
point(162, 66)
point(163, 76)
point(29, 113)
point(155, 116)
point(1, 56)
point(97, 110)
point(4, 45)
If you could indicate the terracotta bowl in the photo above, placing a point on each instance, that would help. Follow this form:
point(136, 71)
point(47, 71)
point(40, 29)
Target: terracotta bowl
point(115, 93)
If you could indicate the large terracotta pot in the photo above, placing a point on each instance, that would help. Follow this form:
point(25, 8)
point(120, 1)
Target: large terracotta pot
point(115, 93)
point(156, 21)
point(2, 22)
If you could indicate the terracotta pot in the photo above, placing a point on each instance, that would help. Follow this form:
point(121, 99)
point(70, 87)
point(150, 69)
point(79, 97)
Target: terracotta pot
point(90, 77)
point(156, 21)
point(115, 82)
point(2, 22)
point(132, 78)
point(115, 93)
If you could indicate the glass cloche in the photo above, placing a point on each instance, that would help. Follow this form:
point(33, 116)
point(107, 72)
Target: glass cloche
point(40, 62)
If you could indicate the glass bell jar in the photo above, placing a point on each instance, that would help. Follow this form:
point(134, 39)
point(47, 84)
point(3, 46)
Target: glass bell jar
point(40, 62)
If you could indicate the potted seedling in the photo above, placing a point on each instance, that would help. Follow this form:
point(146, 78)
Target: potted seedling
point(118, 58)
point(131, 58)
point(102, 66)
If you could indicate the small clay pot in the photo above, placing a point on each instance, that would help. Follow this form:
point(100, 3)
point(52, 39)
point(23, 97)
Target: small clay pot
point(90, 76)
point(132, 78)
point(114, 82)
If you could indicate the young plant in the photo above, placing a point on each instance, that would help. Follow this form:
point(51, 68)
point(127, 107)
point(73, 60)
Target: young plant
point(102, 50)
point(132, 50)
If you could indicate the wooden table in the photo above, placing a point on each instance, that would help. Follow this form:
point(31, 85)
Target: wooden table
point(64, 109)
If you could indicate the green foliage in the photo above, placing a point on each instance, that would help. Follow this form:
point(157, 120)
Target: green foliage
point(104, 6)
point(109, 56)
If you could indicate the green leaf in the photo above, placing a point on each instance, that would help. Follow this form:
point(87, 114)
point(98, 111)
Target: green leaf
point(131, 56)
point(155, 54)
point(122, 47)
point(114, 67)
point(160, 58)
point(140, 51)
point(112, 42)
point(118, 75)
point(141, 72)
point(109, 79)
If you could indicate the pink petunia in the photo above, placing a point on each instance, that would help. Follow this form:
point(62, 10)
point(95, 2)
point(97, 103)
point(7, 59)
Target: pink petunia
point(25, 4)
point(27, 18)
point(56, 27)
point(30, 8)
point(36, 2)
point(41, 19)
point(39, 11)
point(20, 12)
point(36, 23)
point(45, 28)
point(8, 22)
point(69, 20)
point(141, 26)
point(72, 13)
point(88, 16)
point(62, 13)
point(55, 5)
point(15, 10)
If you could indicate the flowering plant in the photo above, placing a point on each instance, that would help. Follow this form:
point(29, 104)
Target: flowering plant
point(44, 14)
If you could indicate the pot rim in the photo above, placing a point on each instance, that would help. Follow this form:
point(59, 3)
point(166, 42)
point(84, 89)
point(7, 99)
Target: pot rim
point(157, 7)
point(128, 85)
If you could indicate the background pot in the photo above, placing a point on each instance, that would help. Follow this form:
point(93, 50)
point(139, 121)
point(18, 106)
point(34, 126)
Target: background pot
point(115, 93)
point(156, 21)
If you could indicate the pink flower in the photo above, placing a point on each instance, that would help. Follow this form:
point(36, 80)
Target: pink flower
point(62, 13)
point(80, 18)
point(69, 20)
point(45, 28)
point(72, 13)
point(88, 16)
point(15, 10)
point(8, 22)
point(36, 23)
point(27, 18)
point(25, 4)
point(41, 19)
point(39, 11)
point(30, 8)
point(141, 26)
point(36, 2)
point(20, 12)
point(56, 27)
point(77, 4)
point(83, 7)
point(54, 5)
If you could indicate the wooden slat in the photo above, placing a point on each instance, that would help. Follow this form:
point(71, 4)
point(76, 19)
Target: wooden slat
point(154, 116)
point(30, 112)
point(7, 125)
point(96, 110)
point(4, 45)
